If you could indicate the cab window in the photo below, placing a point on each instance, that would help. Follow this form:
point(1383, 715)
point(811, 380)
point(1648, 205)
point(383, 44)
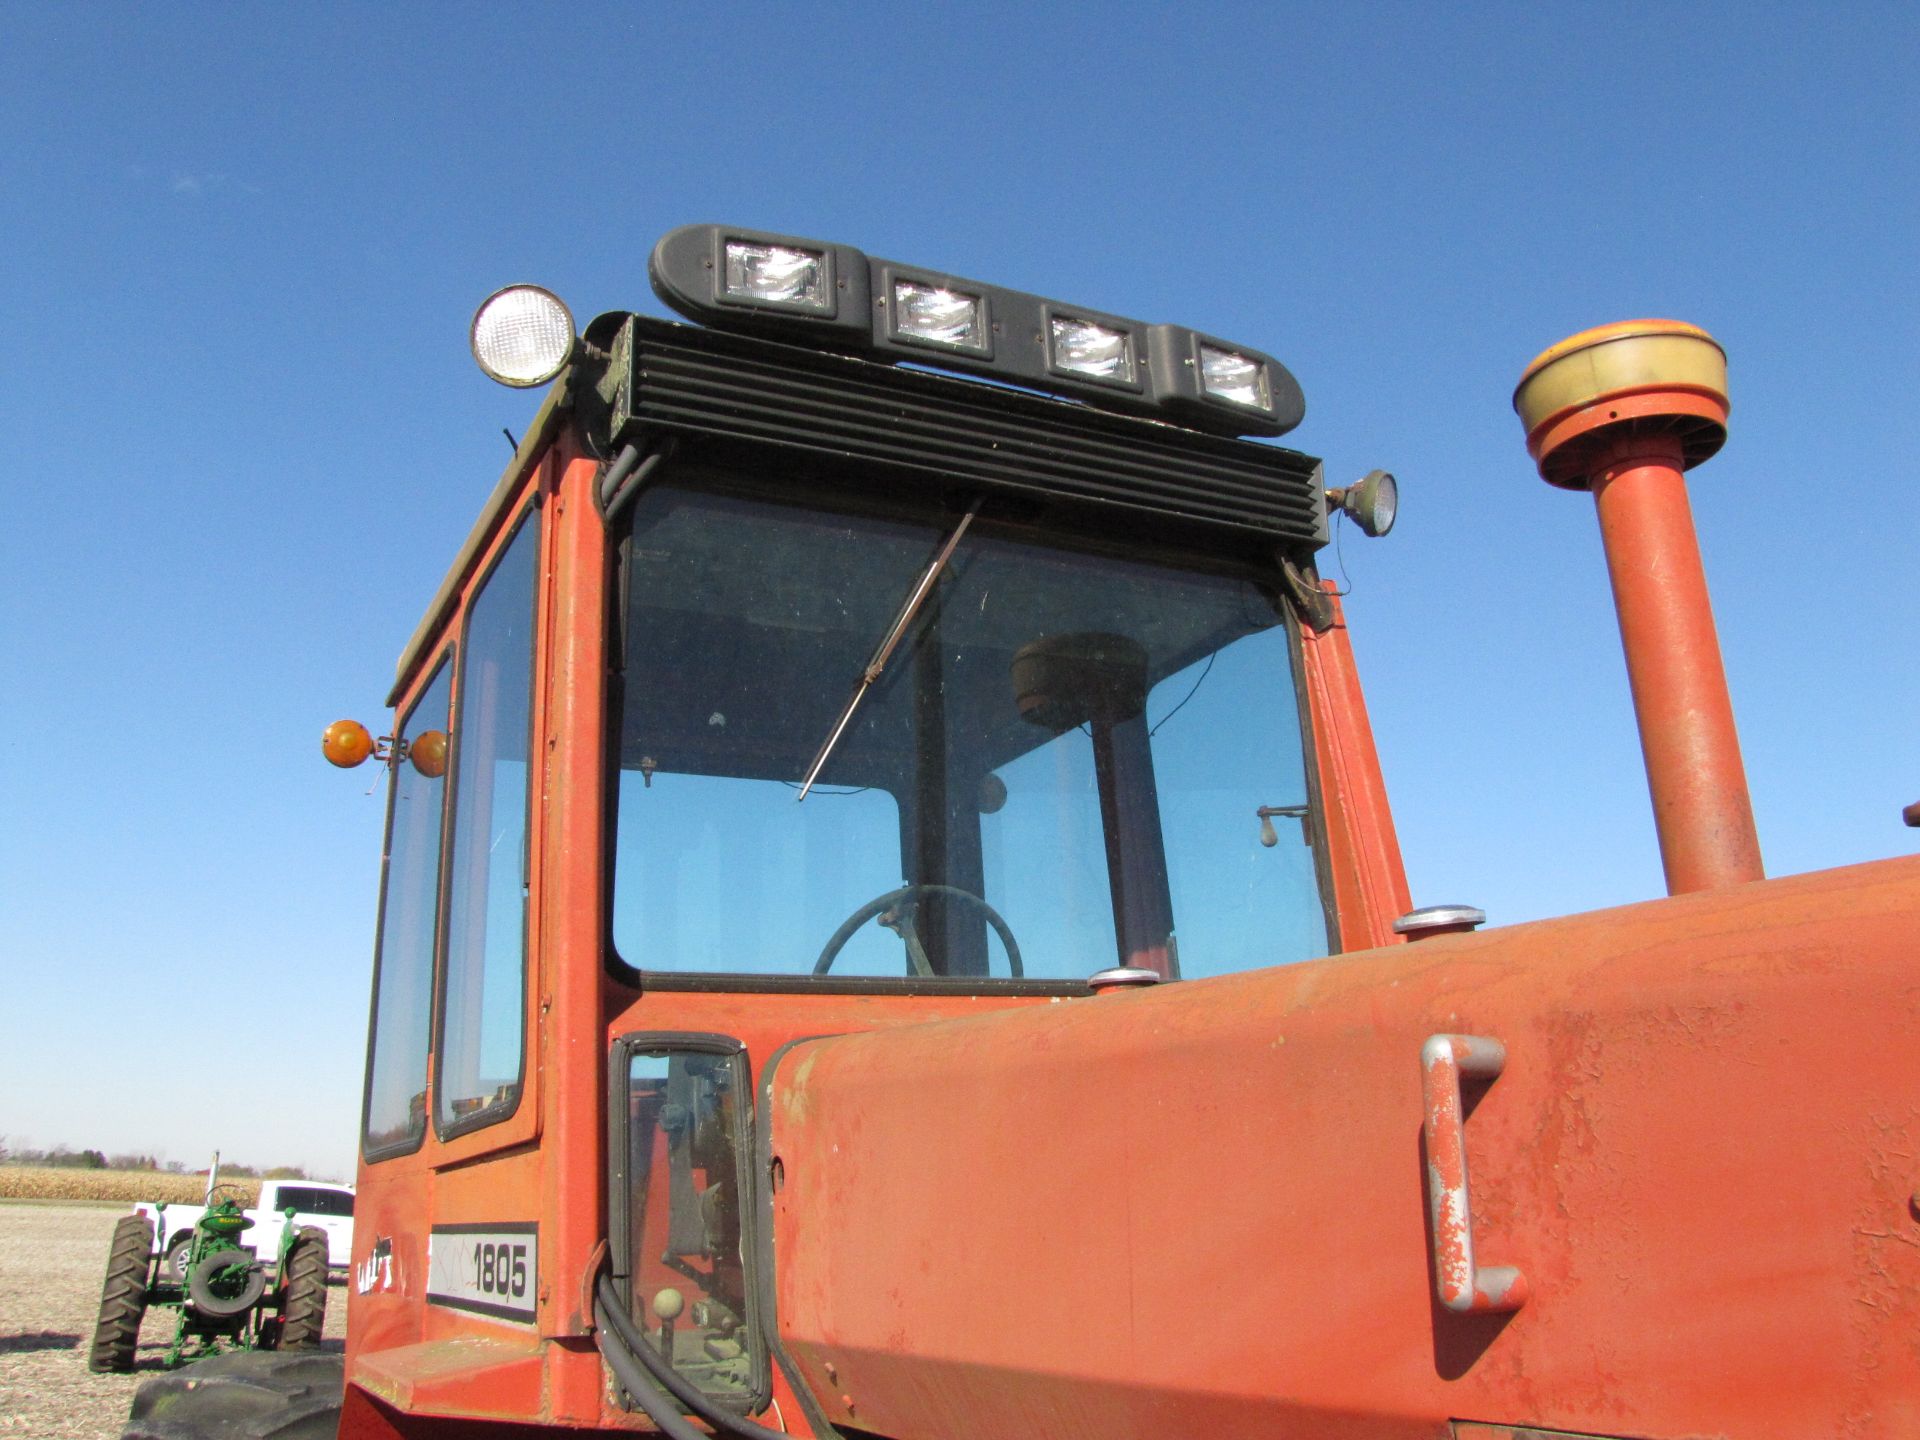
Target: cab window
point(1075, 756)
point(395, 1115)
point(481, 1059)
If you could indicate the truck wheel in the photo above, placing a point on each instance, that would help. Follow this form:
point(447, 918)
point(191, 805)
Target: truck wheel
point(303, 1290)
point(123, 1296)
point(247, 1395)
point(177, 1257)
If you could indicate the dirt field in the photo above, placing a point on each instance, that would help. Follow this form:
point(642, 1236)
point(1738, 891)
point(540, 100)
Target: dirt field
point(52, 1260)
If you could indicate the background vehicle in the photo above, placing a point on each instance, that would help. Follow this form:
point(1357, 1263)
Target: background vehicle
point(811, 780)
point(316, 1204)
point(228, 1296)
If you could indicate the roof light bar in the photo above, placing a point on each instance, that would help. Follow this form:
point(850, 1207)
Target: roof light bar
point(810, 291)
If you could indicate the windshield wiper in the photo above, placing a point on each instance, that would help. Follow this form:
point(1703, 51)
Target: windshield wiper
point(911, 608)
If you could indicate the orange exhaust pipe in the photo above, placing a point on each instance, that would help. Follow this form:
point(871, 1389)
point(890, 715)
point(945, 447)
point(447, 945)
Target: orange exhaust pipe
point(1622, 411)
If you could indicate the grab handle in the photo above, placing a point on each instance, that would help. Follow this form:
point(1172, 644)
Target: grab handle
point(1463, 1287)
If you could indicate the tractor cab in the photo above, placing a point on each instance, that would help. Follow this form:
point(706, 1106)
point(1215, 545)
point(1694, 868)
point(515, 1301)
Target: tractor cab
point(881, 648)
point(891, 926)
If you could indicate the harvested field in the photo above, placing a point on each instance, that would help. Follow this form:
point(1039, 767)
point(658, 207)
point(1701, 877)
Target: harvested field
point(52, 1260)
point(117, 1187)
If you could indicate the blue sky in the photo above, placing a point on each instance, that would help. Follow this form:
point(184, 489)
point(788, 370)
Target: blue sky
point(242, 246)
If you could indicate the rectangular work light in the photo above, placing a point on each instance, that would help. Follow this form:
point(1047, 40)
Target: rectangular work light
point(1212, 383)
point(758, 280)
point(776, 275)
point(1235, 378)
point(931, 314)
point(1091, 351)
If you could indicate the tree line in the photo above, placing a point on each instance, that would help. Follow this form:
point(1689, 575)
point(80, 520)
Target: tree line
point(63, 1157)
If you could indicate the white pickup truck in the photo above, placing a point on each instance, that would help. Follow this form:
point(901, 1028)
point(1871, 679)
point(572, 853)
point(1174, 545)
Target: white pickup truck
point(324, 1206)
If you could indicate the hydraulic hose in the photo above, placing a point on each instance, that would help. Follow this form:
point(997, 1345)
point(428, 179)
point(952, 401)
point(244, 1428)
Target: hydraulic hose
point(648, 1396)
point(633, 1361)
point(628, 475)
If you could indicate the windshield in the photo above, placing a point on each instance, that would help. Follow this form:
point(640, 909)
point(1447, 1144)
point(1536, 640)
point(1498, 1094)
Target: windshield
point(1072, 759)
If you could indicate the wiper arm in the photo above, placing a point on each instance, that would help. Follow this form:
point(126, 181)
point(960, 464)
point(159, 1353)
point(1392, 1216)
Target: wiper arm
point(911, 608)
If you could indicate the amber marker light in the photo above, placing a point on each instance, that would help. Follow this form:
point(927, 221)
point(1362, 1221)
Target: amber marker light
point(428, 752)
point(347, 743)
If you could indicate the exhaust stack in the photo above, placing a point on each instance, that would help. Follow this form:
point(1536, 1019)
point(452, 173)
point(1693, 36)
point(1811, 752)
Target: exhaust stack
point(1622, 411)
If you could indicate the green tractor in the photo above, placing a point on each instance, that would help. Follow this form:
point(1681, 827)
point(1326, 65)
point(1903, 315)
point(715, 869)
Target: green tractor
point(227, 1297)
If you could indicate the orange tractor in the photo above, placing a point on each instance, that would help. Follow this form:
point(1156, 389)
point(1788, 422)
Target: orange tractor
point(891, 926)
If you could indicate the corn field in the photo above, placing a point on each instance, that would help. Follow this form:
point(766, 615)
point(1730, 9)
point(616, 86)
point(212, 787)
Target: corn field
point(32, 1182)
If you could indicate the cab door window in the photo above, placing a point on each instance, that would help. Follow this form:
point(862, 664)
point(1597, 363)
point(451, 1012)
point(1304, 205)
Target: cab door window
point(395, 1118)
point(482, 1053)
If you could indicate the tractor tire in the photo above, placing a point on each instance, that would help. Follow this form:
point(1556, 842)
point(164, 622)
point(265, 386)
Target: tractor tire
point(247, 1395)
point(303, 1291)
point(123, 1296)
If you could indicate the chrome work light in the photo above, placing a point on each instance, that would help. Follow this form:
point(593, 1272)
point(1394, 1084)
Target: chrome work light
point(522, 335)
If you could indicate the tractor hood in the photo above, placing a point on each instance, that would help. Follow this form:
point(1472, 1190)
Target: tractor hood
point(1204, 1208)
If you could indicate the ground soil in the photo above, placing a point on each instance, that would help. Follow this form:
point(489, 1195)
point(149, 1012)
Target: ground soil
point(52, 1260)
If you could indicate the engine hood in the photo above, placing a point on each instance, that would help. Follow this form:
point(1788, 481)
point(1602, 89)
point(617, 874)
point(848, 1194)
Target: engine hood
point(1203, 1208)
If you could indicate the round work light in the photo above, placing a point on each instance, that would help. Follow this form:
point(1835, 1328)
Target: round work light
point(522, 335)
point(1372, 503)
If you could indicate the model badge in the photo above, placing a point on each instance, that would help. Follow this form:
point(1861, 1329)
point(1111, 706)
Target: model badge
point(487, 1269)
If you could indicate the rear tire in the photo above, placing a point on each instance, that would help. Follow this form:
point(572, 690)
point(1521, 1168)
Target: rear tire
point(248, 1395)
point(303, 1291)
point(123, 1296)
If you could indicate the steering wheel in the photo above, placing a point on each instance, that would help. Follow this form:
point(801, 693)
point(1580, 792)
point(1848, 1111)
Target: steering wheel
point(916, 953)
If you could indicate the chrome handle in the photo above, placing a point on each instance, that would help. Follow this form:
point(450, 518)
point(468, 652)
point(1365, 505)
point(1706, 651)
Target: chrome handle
point(1463, 1287)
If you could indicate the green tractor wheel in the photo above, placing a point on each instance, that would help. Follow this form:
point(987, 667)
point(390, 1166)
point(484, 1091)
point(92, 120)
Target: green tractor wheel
point(123, 1297)
point(303, 1290)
